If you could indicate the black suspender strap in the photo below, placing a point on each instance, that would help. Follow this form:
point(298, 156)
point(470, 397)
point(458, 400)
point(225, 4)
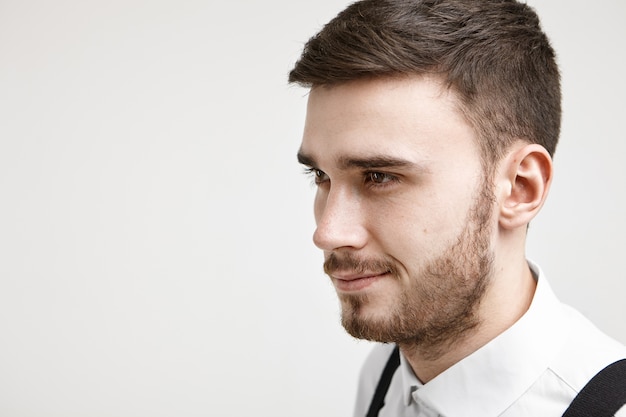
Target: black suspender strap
point(603, 395)
point(378, 401)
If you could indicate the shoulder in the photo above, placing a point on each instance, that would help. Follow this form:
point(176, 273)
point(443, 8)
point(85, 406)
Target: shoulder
point(577, 355)
point(586, 352)
point(580, 350)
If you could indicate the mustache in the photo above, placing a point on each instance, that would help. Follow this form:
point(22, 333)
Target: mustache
point(350, 262)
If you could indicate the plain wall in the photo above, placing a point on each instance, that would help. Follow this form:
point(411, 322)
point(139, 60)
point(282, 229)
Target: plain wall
point(155, 228)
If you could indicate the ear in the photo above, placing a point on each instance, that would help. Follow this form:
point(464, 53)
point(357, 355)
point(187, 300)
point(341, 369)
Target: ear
point(525, 176)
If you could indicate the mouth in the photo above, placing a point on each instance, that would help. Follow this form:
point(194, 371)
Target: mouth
point(353, 283)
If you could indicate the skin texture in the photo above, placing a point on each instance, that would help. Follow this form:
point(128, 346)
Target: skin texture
point(424, 247)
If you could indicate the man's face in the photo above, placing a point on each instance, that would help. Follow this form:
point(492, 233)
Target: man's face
point(403, 207)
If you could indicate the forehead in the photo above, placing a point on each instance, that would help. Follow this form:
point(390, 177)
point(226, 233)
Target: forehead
point(399, 117)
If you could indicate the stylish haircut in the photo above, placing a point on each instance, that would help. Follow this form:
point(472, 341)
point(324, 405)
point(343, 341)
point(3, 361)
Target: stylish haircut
point(492, 53)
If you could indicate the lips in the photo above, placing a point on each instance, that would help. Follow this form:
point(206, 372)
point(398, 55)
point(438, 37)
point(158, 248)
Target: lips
point(352, 282)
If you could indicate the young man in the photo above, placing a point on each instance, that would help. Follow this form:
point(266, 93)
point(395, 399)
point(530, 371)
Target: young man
point(430, 130)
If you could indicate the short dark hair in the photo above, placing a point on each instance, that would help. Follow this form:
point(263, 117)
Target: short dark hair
point(492, 53)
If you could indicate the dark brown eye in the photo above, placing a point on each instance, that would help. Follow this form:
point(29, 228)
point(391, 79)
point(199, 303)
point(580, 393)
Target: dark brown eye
point(318, 175)
point(379, 177)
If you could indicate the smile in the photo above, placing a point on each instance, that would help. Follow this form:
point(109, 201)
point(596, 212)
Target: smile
point(352, 283)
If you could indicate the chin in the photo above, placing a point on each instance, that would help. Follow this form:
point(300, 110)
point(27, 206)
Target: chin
point(365, 319)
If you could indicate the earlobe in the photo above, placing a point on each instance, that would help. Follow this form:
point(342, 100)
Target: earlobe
point(526, 176)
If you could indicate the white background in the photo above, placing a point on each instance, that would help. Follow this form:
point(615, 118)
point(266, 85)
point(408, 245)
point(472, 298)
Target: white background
point(155, 250)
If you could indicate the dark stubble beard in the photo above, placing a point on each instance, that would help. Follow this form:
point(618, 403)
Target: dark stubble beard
point(441, 303)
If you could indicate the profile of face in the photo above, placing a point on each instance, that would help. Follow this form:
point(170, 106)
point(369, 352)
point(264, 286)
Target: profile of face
point(403, 207)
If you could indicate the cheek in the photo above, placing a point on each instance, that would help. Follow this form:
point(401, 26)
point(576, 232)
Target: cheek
point(401, 226)
point(404, 215)
point(414, 232)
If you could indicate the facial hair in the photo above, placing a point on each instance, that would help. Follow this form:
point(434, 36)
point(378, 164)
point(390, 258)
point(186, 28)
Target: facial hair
point(441, 304)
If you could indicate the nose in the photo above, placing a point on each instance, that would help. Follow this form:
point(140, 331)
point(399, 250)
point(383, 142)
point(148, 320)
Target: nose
point(340, 221)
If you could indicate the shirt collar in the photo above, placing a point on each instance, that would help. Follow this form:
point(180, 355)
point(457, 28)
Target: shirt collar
point(490, 380)
point(410, 383)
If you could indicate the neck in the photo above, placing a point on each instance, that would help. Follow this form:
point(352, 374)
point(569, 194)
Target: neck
point(507, 298)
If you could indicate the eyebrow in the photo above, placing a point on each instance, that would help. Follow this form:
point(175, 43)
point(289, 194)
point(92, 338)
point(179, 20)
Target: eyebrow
point(305, 159)
point(371, 162)
point(377, 161)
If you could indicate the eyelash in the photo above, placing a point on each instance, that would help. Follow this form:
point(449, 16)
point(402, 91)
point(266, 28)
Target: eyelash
point(314, 174)
point(387, 180)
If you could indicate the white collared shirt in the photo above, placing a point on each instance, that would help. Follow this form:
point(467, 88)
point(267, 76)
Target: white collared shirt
point(534, 368)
